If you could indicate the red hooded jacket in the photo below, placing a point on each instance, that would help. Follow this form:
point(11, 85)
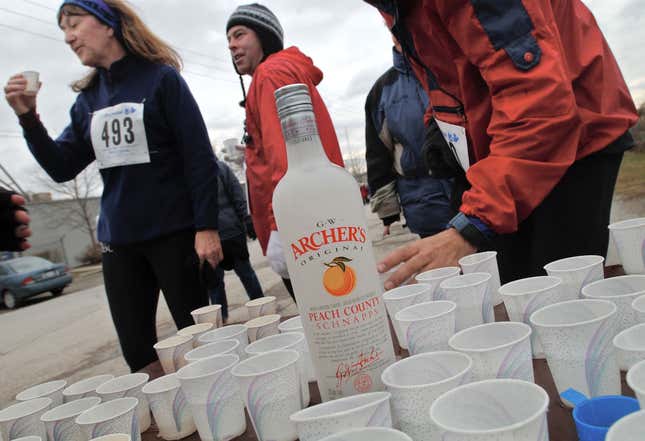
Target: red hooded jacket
point(266, 154)
point(535, 84)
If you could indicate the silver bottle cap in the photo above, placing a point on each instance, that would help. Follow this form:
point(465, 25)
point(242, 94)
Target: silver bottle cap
point(292, 99)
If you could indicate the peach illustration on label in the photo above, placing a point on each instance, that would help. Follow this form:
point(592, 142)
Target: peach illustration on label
point(339, 279)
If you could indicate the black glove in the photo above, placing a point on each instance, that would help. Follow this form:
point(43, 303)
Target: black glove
point(250, 230)
point(8, 223)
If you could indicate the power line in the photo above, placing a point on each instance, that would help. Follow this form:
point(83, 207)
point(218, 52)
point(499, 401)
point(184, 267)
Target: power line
point(40, 5)
point(31, 32)
point(47, 22)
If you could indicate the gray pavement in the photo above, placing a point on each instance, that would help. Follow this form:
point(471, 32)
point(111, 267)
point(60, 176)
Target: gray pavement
point(72, 337)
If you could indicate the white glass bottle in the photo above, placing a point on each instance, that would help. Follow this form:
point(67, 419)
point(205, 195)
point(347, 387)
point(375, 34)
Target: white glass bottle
point(321, 220)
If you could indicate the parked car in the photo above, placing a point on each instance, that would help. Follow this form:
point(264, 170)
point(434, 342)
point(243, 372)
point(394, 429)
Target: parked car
point(26, 277)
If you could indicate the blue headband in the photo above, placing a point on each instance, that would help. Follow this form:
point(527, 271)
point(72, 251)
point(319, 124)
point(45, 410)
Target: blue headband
point(100, 10)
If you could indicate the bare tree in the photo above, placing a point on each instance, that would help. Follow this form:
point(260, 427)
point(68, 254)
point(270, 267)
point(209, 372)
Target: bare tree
point(79, 214)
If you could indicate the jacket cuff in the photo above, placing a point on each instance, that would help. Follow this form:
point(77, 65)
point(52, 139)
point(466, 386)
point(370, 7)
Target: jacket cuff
point(29, 120)
point(476, 232)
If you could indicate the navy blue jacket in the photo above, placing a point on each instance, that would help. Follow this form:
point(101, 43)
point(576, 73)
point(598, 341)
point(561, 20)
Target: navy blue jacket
point(176, 190)
point(396, 172)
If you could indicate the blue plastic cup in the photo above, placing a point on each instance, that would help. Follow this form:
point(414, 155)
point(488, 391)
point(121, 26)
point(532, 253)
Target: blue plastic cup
point(594, 416)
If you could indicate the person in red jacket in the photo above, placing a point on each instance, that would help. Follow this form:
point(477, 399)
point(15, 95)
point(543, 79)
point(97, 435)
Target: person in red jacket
point(255, 40)
point(536, 113)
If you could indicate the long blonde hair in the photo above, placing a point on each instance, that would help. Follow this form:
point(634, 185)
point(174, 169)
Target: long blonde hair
point(135, 35)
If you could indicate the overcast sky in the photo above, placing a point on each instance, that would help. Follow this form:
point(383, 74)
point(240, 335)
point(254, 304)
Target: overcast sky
point(345, 38)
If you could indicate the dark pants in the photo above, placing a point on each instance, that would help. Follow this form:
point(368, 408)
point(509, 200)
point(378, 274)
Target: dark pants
point(571, 221)
point(245, 272)
point(133, 276)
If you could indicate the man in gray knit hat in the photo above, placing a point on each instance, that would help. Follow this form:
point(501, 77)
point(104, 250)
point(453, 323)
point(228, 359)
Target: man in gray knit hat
point(255, 40)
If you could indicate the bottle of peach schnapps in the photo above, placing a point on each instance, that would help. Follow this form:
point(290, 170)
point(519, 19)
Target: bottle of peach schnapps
point(321, 220)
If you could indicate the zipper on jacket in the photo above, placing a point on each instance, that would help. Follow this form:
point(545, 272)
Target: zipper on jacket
point(455, 110)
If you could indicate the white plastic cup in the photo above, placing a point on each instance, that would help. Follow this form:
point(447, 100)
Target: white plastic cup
point(169, 407)
point(32, 82)
point(638, 305)
point(525, 296)
point(116, 416)
point(369, 434)
point(263, 326)
point(427, 326)
point(492, 410)
point(576, 272)
point(237, 332)
point(196, 331)
point(434, 277)
point(400, 298)
point(471, 293)
point(23, 419)
point(113, 437)
point(484, 262)
point(294, 324)
point(51, 389)
point(213, 397)
point(577, 339)
point(498, 350)
point(630, 346)
point(365, 410)
point(85, 388)
point(290, 340)
point(417, 381)
point(267, 305)
point(59, 421)
point(208, 314)
point(629, 237)
point(220, 347)
point(128, 386)
point(621, 290)
point(629, 428)
point(171, 352)
point(636, 380)
point(270, 386)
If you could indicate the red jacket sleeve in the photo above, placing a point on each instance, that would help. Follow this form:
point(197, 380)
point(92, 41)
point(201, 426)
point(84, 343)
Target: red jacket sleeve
point(534, 124)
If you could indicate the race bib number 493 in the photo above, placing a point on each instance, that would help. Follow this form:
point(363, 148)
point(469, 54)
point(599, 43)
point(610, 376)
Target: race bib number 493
point(119, 136)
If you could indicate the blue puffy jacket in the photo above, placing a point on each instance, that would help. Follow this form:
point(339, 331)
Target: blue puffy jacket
point(394, 134)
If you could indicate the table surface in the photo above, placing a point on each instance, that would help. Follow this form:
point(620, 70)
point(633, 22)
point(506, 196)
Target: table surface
point(561, 425)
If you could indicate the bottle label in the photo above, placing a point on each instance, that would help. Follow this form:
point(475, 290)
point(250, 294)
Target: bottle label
point(342, 311)
point(300, 127)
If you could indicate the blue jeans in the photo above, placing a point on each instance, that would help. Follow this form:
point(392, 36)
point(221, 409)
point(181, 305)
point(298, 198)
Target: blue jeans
point(247, 276)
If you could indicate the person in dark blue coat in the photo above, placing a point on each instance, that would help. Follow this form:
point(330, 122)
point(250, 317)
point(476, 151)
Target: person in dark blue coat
point(235, 224)
point(396, 173)
point(135, 116)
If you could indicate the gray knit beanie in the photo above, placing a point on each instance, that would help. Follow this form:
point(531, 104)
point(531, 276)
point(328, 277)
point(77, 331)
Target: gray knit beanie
point(263, 22)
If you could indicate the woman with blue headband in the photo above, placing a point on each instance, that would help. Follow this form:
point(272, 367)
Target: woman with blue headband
point(135, 117)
